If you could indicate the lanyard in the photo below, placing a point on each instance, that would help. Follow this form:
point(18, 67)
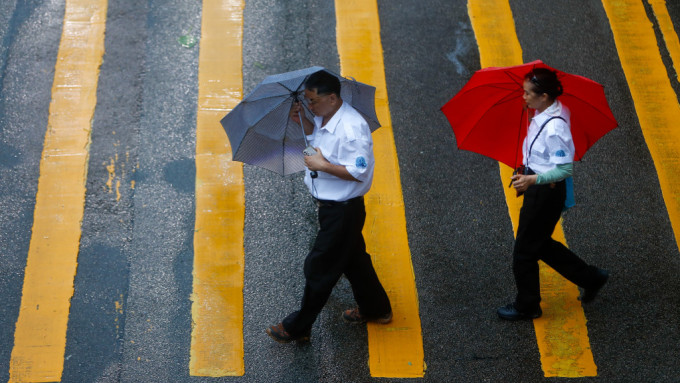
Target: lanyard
point(539, 133)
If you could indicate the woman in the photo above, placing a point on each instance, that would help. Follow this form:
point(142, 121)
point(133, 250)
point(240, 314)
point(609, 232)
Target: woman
point(548, 156)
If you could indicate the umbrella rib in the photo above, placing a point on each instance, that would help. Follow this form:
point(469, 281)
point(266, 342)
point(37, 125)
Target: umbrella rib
point(590, 106)
point(274, 107)
point(514, 79)
point(286, 95)
point(301, 84)
point(496, 86)
point(283, 150)
point(505, 99)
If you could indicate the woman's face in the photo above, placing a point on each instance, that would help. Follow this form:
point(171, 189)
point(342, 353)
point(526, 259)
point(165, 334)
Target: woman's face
point(532, 99)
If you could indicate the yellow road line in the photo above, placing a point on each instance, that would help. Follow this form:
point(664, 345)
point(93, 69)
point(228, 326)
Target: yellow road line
point(40, 336)
point(217, 309)
point(561, 333)
point(655, 100)
point(395, 350)
point(667, 30)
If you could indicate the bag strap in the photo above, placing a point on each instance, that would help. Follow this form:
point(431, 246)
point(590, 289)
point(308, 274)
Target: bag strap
point(539, 133)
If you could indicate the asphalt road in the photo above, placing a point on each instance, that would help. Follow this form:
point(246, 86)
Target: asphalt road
point(136, 249)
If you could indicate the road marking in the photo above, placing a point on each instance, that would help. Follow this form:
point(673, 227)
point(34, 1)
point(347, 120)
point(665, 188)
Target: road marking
point(395, 350)
point(667, 30)
point(217, 309)
point(655, 100)
point(40, 336)
point(561, 333)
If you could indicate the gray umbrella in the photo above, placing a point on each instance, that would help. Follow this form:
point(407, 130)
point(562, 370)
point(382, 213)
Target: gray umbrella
point(261, 132)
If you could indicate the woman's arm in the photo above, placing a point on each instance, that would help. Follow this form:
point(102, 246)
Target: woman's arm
point(522, 182)
point(559, 173)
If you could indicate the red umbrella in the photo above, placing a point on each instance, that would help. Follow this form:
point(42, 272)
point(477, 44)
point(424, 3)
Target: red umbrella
point(489, 116)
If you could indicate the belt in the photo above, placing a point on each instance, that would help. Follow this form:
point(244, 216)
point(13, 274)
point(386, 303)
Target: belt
point(327, 203)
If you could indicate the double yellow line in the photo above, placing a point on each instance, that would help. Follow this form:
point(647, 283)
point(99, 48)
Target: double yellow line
point(656, 103)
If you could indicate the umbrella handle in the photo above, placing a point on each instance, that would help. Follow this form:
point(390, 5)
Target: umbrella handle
point(302, 126)
point(309, 150)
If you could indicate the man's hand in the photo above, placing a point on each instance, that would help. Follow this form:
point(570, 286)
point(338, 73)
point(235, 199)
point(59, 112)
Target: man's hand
point(295, 111)
point(294, 114)
point(318, 162)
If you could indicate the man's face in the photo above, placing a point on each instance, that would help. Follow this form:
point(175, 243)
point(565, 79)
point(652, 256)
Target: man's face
point(321, 105)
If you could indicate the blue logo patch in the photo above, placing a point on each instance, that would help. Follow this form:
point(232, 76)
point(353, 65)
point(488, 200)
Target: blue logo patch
point(361, 162)
point(560, 153)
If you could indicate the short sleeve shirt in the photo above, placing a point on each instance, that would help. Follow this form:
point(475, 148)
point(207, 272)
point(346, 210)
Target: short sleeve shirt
point(344, 140)
point(554, 145)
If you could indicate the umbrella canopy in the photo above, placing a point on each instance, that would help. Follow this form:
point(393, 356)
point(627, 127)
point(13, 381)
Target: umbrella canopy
point(261, 132)
point(489, 116)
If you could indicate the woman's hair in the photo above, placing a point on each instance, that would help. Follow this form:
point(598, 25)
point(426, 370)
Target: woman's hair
point(545, 81)
point(323, 82)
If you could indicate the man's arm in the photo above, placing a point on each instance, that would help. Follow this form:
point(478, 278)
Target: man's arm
point(318, 162)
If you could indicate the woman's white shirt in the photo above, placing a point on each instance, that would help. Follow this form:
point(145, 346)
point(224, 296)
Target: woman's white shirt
point(554, 145)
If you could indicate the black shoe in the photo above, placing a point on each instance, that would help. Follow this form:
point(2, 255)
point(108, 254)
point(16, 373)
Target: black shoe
point(590, 294)
point(279, 334)
point(354, 316)
point(509, 312)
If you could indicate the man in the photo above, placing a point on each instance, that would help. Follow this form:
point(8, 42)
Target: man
point(344, 164)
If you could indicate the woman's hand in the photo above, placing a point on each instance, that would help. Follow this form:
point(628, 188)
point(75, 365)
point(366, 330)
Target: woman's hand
point(522, 182)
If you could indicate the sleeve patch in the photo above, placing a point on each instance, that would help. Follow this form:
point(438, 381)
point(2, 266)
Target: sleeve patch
point(361, 162)
point(560, 153)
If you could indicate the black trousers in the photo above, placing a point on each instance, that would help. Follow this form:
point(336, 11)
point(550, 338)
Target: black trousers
point(538, 217)
point(339, 249)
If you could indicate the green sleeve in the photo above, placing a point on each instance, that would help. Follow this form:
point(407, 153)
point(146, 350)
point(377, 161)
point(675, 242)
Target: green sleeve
point(559, 173)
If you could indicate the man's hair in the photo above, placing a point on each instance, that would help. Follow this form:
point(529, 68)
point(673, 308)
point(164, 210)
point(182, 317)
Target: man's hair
point(323, 82)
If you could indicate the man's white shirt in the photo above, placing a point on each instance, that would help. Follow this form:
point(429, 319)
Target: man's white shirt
point(345, 140)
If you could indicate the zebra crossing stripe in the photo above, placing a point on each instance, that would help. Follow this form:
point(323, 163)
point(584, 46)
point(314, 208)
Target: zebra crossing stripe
point(40, 335)
point(395, 350)
point(217, 308)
